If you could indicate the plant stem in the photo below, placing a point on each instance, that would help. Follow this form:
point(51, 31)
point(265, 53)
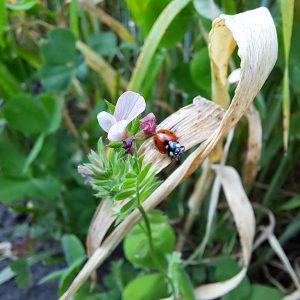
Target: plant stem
point(150, 239)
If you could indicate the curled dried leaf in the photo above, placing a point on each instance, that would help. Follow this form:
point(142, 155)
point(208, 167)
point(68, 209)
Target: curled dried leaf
point(243, 216)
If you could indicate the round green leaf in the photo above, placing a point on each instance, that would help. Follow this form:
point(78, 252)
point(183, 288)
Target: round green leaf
point(146, 287)
point(25, 114)
point(136, 244)
point(59, 48)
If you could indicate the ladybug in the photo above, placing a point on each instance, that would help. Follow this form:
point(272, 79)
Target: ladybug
point(166, 141)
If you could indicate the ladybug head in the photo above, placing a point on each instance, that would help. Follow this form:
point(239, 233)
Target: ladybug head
point(175, 150)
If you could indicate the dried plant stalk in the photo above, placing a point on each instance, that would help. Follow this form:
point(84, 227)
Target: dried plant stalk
point(109, 21)
point(255, 35)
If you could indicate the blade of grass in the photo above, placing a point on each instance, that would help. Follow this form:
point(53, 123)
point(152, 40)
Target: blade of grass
point(2, 20)
point(74, 18)
point(152, 42)
point(287, 11)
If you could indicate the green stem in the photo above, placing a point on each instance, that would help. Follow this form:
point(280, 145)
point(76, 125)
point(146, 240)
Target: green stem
point(150, 239)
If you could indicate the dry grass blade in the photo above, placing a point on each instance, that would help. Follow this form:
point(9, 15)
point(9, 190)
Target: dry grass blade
point(254, 145)
point(255, 35)
point(243, 216)
point(267, 234)
point(109, 21)
point(214, 199)
point(193, 124)
point(98, 64)
point(274, 243)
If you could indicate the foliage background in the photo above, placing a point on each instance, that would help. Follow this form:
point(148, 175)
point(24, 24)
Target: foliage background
point(59, 61)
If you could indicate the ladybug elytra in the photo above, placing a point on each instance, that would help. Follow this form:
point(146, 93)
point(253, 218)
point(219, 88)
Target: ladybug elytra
point(166, 141)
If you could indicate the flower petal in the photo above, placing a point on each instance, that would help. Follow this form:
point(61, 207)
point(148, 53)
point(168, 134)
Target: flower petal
point(129, 106)
point(117, 131)
point(106, 120)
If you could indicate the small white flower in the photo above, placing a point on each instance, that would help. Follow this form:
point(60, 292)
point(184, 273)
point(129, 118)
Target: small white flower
point(128, 107)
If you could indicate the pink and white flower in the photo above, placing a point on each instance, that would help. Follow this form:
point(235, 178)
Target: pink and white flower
point(128, 107)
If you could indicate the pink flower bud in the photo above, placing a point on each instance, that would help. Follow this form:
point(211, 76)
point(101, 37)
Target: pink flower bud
point(127, 145)
point(148, 124)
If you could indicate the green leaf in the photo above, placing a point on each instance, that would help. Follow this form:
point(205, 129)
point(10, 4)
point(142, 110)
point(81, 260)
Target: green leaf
point(200, 70)
point(26, 115)
point(74, 17)
point(144, 172)
point(53, 108)
point(291, 204)
point(22, 271)
point(34, 152)
point(9, 85)
point(176, 29)
point(3, 17)
point(56, 77)
point(68, 275)
point(136, 244)
point(263, 292)
point(73, 249)
point(125, 194)
point(225, 268)
point(111, 107)
point(185, 285)
point(104, 43)
point(115, 144)
point(52, 276)
point(12, 158)
point(155, 35)
point(59, 49)
point(146, 287)
point(44, 188)
point(22, 5)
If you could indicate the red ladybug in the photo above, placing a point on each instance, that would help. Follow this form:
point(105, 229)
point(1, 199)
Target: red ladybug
point(166, 141)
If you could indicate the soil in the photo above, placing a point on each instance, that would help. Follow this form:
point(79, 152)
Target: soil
point(9, 290)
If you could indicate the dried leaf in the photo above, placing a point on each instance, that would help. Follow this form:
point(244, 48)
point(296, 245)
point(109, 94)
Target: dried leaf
point(243, 216)
point(254, 145)
point(193, 124)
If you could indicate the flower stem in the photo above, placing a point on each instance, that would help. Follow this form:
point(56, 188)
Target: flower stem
point(150, 239)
